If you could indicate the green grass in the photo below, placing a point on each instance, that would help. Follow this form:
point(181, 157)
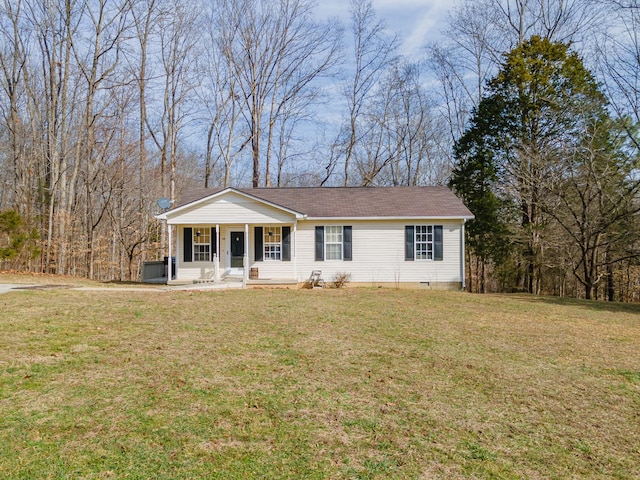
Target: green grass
point(315, 384)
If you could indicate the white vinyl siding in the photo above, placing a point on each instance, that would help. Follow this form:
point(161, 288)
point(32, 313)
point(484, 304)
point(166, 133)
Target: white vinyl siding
point(232, 208)
point(379, 254)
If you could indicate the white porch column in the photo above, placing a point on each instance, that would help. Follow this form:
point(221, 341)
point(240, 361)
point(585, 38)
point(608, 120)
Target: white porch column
point(169, 272)
point(295, 249)
point(216, 266)
point(178, 242)
point(245, 259)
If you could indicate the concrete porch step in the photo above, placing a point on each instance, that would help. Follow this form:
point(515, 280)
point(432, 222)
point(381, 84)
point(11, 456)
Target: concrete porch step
point(232, 278)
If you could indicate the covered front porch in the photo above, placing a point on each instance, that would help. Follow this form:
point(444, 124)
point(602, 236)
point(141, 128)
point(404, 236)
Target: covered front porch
point(252, 254)
point(232, 236)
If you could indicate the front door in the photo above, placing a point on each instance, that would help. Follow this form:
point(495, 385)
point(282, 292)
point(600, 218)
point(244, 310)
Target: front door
point(237, 250)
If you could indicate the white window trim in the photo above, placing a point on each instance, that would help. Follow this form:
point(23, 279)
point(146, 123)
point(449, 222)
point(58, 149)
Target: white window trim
point(265, 244)
point(195, 244)
point(341, 243)
point(429, 233)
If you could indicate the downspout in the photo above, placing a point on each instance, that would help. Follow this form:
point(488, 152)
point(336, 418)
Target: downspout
point(462, 256)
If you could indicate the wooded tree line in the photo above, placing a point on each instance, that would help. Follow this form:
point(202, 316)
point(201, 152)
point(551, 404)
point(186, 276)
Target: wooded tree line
point(548, 157)
point(108, 105)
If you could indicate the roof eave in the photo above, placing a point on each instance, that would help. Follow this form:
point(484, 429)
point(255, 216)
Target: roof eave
point(405, 217)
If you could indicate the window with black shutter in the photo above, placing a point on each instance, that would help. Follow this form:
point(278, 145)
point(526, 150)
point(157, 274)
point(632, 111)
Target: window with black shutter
point(257, 244)
point(187, 243)
point(408, 242)
point(286, 244)
point(346, 243)
point(423, 242)
point(333, 242)
point(319, 244)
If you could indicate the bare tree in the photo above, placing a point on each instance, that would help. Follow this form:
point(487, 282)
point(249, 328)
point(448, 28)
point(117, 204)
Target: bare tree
point(567, 21)
point(54, 27)
point(619, 58)
point(177, 54)
point(374, 51)
point(594, 200)
point(13, 59)
point(68, 116)
point(145, 14)
point(131, 230)
point(464, 63)
point(97, 58)
point(398, 144)
point(274, 51)
point(126, 221)
point(418, 158)
point(220, 95)
point(479, 32)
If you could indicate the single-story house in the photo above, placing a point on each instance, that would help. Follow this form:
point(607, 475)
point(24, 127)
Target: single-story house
point(396, 236)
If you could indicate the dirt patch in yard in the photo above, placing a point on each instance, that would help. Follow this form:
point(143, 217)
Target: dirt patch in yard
point(40, 287)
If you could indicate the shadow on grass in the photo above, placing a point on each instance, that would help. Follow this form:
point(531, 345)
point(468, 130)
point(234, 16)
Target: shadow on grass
point(595, 305)
point(122, 282)
point(44, 286)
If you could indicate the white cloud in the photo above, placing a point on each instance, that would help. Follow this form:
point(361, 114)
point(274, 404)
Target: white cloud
point(417, 21)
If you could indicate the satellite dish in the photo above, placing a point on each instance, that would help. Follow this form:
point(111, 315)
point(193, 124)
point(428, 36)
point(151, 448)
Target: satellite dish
point(164, 203)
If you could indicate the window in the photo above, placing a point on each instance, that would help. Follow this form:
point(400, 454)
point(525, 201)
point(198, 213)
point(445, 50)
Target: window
point(333, 243)
point(201, 244)
point(423, 242)
point(272, 243)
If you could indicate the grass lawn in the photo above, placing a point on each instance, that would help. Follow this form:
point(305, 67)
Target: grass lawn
point(315, 384)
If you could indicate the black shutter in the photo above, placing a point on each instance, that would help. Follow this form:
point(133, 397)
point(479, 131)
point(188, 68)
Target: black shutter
point(319, 244)
point(409, 238)
point(187, 240)
point(258, 250)
point(286, 244)
point(346, 243)
point(437, 242)
point(214, 242)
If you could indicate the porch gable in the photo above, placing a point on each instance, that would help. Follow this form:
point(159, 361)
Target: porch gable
point(230, 207)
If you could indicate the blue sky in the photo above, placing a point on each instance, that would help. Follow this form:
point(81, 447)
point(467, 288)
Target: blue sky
point(417, 21)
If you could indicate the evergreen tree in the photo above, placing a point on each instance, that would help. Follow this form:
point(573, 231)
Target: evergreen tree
point(538, 108)
point(14, 239)
point(474, 178)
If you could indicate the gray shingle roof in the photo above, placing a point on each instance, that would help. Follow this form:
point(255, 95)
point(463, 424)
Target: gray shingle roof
point(355, 202)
